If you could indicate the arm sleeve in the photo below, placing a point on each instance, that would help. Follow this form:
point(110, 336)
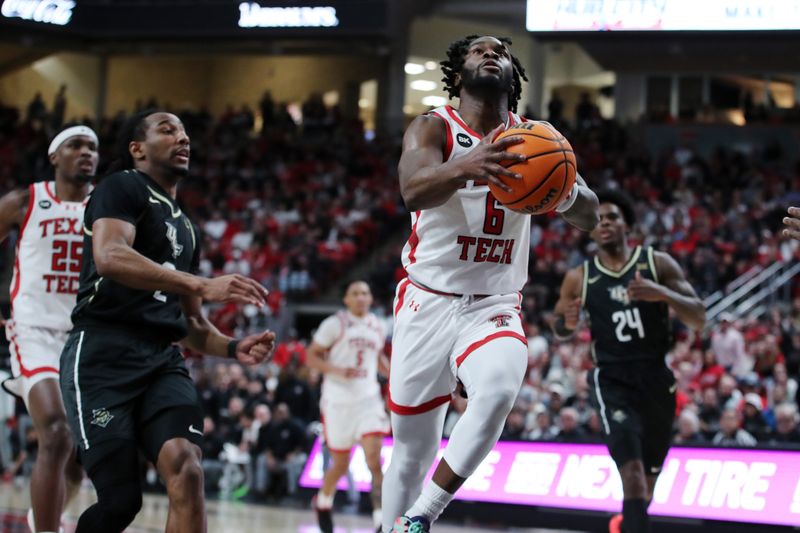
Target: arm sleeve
point(119, 196)
point(328, 331)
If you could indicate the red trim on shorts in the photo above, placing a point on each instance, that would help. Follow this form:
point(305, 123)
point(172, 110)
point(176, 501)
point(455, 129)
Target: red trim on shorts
point(50, 193)
point(416, 409)
point(375, 434)
point(475, 345)
point(401, 294)
point(25, 372)
point(448, 147)
point(461, 122)
point(17, 271)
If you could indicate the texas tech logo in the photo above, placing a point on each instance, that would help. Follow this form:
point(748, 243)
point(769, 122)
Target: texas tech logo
point(464, 140)
point(619, 294)
point(501, 321)
point(172, 236)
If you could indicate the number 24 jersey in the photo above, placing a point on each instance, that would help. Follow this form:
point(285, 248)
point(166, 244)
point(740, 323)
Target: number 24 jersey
point(624, 330)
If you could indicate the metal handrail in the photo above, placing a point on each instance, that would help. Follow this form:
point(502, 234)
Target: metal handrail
point(716, 296)
point(743, 290)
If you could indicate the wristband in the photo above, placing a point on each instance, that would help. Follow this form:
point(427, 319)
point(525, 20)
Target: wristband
point(567, 202)
point(561, 330)
point(232, 346)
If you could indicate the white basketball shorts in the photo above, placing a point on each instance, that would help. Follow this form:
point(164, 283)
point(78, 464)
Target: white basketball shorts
point(35, 355)
point(344, 425)
point(434, 333)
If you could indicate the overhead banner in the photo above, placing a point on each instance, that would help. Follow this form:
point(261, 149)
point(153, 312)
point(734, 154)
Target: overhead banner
point(662, 15)
point(733, 485)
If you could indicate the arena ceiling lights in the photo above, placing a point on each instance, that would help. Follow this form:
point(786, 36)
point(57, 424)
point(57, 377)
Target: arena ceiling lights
point(547, 16)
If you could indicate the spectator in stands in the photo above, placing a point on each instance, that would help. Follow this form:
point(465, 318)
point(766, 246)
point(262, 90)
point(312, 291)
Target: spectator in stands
point(555, 109)
point(37, 110)
point(710, 412)
point(282, 451)
point(689, 429)
point(556, 400)
point(290, 350)
point(730, 433)
point(569, 427)
point(212, 448)
point(729, 394)
point(752, 419)
point(727, 342)
point(593, 428)
point(787, 432)
point(711, 371)
point(515, 425)
point(296, 394)
point(543, 429)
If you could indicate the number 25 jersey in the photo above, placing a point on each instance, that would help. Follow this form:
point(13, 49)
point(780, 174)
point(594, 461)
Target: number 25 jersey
point(48, 260)
point(624, 330)
point(471, 244)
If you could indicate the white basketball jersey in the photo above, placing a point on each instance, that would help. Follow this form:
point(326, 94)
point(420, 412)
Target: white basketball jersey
point(352, 342)
point(48, 263)
point(471, 244)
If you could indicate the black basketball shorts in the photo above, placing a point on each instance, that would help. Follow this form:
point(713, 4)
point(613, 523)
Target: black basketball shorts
point(121, 388)
point(636, 404)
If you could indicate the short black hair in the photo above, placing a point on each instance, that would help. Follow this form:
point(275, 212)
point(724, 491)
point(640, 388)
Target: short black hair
point(351, 283)
point(134, 129)
point(455, 62)
point(620, 199)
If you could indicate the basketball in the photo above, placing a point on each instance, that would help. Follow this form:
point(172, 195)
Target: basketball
point(547, 175)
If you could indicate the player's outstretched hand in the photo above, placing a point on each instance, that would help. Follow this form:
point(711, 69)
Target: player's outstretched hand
point(792, 223)
point(572, 314)
point(235, 288)
point(644, 289)
point(255, 349)
point(483, 162)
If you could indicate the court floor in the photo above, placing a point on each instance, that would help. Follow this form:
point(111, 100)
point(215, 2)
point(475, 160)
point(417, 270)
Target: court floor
point(223, 517)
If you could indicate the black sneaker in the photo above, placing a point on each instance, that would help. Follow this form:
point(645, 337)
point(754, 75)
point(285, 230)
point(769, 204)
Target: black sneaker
point(324, 517)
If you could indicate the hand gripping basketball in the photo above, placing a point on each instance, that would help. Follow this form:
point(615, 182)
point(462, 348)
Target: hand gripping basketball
point(482, 163)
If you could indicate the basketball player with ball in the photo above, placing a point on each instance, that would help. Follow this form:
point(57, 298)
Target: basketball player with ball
point(457, 312)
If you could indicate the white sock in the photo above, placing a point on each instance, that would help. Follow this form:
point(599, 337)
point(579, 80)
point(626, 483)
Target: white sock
point(324, 501)
point(377, 517)
point(430, 503)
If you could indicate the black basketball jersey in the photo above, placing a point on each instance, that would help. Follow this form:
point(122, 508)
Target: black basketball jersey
point(163, 234)
point(624, 330)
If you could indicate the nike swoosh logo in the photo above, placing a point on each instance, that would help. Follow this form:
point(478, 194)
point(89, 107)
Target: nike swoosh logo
point(195, 431)
point(673, 388)
point(592, 280)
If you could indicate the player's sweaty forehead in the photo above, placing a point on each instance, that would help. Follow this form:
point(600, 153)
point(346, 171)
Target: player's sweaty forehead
point(157, 119)
point(488, 40)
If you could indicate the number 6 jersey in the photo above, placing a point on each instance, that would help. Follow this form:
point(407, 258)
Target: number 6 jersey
point(624, 330)
point(471, 244)
point(48, 260)
point(163, 234)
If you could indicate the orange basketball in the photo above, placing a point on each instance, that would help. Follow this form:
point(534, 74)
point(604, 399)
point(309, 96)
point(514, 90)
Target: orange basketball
point(547, 175)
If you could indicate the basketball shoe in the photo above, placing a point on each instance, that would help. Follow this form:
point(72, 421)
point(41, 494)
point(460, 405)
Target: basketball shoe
point(615, 524)
point(324, 517)
point(417, 524)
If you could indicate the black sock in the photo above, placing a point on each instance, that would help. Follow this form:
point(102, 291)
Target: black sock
point(634, 516)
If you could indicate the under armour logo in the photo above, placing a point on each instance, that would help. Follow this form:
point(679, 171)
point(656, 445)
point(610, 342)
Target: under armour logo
point(414, 306)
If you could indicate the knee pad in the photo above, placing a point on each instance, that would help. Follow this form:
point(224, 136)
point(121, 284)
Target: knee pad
point(120, 504)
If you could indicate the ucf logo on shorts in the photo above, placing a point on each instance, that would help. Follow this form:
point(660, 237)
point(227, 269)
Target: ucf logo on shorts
point(172, 236)
point(101, 417)
point(619, 294)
